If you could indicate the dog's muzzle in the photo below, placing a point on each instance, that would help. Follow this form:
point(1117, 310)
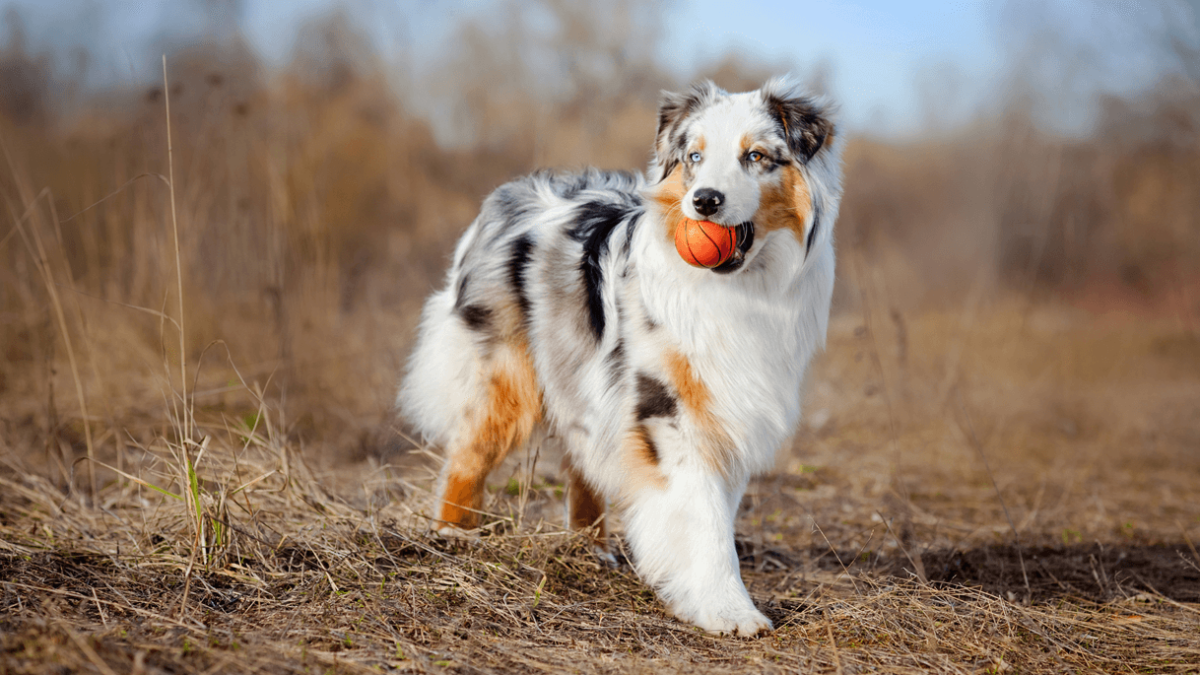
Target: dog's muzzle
point(745, 239)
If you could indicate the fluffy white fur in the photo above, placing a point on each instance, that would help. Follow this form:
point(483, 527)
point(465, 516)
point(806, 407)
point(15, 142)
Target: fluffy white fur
point(568, 311)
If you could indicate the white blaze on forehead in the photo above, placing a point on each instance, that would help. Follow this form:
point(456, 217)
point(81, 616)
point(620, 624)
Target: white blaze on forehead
point(720, 128)
point(730, 118)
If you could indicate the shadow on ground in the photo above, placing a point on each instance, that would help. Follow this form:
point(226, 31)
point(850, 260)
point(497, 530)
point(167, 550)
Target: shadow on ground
point(1094, 572)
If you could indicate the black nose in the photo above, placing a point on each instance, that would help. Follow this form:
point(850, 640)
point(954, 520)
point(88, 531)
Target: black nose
point(707, 201)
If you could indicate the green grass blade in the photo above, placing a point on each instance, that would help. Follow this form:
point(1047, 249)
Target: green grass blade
point(139, 481)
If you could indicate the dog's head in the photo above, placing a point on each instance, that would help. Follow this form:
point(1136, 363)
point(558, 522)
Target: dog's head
point(741, 160)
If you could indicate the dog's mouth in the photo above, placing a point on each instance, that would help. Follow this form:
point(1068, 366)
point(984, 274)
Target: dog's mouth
point(745, 239)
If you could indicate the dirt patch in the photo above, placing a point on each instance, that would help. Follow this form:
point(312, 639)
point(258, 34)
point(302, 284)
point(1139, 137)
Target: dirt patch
point(1092, 572)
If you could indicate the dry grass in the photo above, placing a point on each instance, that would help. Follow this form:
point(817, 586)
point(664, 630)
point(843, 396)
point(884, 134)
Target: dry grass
point(879, 545)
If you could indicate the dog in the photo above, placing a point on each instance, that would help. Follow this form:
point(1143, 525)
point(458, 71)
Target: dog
point(567, 311)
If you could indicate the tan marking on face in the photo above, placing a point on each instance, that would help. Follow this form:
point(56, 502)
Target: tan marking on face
point(585, 507)
point(669, 199)
point(745, 144)
point(513, 406)
point(700, 144)
point(717, 448)
point(787, 204)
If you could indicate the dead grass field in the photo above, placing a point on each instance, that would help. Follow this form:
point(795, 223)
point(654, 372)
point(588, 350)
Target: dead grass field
point(881, 543)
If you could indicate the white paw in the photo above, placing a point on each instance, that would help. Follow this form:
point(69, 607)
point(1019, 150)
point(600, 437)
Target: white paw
point(742, 621)
point(606, 557)
point(447, 531)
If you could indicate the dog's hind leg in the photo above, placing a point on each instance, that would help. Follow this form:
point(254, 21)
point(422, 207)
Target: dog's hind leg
point(502, 420)
point(585, 509)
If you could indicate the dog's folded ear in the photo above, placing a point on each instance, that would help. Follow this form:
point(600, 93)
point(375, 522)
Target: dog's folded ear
point(803, 121)
point(673, 109)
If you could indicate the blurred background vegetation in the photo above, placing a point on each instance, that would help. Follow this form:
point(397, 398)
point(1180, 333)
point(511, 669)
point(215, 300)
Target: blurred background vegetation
point(319, 197)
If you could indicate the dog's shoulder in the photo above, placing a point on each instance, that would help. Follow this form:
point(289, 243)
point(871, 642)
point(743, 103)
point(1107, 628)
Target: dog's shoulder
point(546, 187)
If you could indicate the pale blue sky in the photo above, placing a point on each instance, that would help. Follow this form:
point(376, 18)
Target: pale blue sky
point(888, 59)
point(876, 47)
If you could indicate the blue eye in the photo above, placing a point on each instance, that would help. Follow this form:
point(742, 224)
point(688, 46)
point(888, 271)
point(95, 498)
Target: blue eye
point(755, 156)
point(695, 157)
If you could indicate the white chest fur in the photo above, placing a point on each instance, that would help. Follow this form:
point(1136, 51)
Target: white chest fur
point(748, 338)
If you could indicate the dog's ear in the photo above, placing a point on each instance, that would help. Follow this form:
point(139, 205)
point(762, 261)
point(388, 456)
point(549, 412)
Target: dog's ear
point(803, 121)
point(670, 141)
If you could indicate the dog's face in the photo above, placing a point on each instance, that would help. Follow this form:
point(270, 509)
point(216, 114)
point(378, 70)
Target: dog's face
point(738, 160)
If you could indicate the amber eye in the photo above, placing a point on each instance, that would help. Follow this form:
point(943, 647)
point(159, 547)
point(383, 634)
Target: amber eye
point(755, 157)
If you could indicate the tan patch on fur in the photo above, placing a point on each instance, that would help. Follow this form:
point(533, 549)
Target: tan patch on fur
point(514, 405)
point(746, 143)
point(669, 197)
point(462, 501)
point(717, 448)
point(785, 205)
point(585, 507)
point(641, 461)
point(692, 392)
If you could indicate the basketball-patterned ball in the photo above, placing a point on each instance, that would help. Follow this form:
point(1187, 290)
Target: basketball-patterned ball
point(703, 243)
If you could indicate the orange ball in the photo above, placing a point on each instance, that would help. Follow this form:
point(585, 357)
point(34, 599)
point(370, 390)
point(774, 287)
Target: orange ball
point(703, 243)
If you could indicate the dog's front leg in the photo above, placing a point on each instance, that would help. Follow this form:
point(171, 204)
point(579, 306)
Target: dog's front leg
point(682, 540)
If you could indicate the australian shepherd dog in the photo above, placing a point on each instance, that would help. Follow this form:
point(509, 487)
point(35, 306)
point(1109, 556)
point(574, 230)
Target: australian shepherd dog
point(569, 312)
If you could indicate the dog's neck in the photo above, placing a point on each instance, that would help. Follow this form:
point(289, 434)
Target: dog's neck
point(781, 284)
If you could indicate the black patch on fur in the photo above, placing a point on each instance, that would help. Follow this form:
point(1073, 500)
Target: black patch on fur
point(800, 123)
point(812, 232)
point(654, 399)
point(518, 263)
point(477, 317)
point(627, 247)
point(594, 223)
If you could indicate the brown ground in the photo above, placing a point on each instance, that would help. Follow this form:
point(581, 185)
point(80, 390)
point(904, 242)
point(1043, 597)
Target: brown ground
point(881, 543)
